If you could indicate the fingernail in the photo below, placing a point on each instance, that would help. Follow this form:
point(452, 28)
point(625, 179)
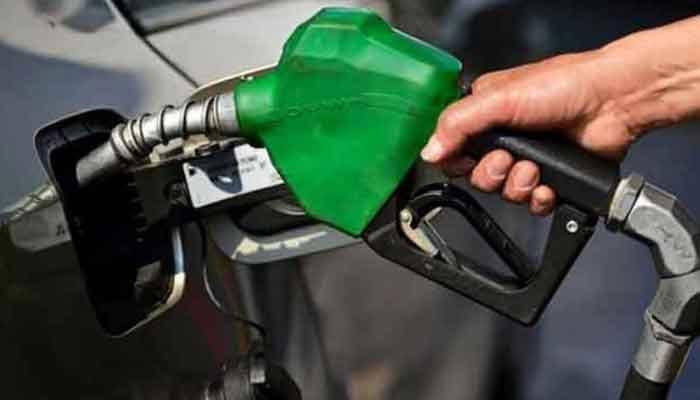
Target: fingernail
point(523, 180)
point(433, 151)
point(497, 168)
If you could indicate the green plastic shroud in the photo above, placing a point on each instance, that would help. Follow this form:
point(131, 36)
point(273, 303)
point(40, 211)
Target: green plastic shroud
point(346, 112)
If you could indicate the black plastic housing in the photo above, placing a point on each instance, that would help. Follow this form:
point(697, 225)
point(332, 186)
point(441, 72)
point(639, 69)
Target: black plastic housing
point(579, 177)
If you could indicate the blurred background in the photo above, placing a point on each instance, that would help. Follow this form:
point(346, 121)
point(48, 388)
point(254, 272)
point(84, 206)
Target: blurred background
point(345, 323)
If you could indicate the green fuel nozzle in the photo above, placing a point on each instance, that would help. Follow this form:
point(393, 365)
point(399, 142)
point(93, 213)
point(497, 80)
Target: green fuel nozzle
point(346, 111)
point(343, 115)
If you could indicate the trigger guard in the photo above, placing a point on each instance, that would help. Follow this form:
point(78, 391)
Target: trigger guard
point(523, 302)
point(446, 195)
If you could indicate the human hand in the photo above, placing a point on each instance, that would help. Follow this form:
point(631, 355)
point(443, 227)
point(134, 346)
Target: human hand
point(603, 100)
point(547, 96)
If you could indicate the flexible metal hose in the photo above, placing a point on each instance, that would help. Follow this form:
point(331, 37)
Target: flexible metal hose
point(132, 141)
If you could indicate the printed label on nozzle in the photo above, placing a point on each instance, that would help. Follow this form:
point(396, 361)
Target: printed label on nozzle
point(229, 174)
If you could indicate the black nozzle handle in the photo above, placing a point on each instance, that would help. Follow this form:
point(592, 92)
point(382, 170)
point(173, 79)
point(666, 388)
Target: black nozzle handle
point(579, 177)
point(638, 387)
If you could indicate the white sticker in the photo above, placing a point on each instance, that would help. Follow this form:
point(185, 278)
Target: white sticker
point(255, 169)
point(228, 175)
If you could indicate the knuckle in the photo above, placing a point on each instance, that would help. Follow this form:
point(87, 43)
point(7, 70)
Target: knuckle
point(543, 194)
point(502, 106)
point(527, 165)
point(480, 181)
point(482, 82)
point(500, 156)
point(543, 199)
point(449, 121)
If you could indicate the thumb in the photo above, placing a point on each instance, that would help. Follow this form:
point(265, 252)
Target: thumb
point(464, 118)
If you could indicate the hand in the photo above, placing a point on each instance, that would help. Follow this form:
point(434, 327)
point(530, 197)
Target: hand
point(549, 96)
point(602, 100)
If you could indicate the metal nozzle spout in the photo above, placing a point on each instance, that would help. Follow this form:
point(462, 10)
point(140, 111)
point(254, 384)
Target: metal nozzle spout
point(132, 141)
point(101, 162)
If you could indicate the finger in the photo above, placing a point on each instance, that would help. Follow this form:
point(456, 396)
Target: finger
point(521, 181)
point(542, 201)
point(459, 166)
point(463, 119)
point(491, 171)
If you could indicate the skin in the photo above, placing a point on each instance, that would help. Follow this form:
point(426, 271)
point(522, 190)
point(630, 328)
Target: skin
point(603, 100)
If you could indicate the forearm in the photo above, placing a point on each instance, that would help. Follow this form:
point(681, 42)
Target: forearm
point(654, 76)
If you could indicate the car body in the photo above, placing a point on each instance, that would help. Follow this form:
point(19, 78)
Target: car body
point(64, 56)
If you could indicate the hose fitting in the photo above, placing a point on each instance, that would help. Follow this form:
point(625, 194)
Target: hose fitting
point(132, 141)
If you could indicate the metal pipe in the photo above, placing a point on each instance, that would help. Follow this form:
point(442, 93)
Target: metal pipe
point(661, 353)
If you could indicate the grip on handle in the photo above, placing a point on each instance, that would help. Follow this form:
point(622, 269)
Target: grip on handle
point(579, 178)
point(639, 388)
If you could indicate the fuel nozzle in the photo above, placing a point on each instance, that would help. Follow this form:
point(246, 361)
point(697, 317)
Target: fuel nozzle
point(132, 141)
point(350, 100)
